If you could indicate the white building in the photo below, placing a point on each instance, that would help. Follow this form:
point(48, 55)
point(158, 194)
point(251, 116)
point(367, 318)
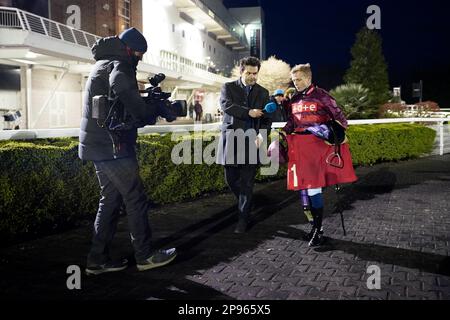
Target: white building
point(195, 43)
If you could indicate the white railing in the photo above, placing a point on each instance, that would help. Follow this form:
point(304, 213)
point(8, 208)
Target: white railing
point(438, 121)
point(442, 136)
point(175, 64)
point(14, 18)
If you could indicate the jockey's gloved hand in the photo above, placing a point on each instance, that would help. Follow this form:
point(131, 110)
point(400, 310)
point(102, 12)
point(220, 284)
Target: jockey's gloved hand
point(320, 131)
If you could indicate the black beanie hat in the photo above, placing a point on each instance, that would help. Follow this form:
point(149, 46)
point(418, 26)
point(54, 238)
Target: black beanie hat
point(134, 39)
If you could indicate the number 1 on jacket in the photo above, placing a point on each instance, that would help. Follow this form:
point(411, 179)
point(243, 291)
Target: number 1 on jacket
point(294, 175)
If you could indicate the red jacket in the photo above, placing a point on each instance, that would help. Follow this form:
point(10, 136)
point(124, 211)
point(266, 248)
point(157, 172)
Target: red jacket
point(313, 106)
point(312, 162)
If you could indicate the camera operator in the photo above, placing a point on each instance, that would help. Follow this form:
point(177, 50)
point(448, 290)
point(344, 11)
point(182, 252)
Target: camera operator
point(108, 138)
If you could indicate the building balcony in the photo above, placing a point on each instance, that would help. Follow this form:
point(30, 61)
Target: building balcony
point(27, 39)
point(231, 33)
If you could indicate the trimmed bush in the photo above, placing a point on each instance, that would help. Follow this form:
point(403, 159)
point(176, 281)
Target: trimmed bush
point(166, 182)
point(371, 144)
point(44, 186)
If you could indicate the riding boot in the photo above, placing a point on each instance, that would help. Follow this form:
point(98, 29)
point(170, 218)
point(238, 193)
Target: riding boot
point(317, 230)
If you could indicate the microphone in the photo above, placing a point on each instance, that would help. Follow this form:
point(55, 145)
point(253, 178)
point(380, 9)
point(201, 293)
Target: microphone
point(271, 107)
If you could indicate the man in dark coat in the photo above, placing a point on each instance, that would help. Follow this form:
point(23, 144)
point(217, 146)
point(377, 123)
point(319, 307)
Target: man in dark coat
point(114, 155)
point(242, 102)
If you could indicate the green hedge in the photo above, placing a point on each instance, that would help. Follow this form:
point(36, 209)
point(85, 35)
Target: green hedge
point(44, 186)
point(371, 144)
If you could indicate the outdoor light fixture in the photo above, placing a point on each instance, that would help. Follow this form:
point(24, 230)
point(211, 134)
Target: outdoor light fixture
point(23, 61)
point(31, 55)
point(199, 26)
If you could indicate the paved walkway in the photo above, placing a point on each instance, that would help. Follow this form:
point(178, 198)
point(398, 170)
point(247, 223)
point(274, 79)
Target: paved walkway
point(397, 217)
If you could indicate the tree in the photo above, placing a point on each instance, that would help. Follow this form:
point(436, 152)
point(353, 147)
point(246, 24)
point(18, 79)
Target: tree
point(369, 68)
point(274, 74)
point(353, 99)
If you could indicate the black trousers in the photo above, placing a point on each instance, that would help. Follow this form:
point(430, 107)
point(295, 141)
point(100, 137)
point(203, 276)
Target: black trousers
point(241, 179)
point(120, 183)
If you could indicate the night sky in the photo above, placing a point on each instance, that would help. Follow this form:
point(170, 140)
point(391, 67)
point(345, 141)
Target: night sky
point(416, 39)
point(415, 33)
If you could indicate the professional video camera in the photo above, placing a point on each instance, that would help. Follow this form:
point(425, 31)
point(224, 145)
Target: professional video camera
point(167, 109)
point(111, 114)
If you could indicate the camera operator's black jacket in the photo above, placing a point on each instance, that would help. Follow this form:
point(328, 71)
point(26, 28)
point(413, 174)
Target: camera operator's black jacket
point(95, 142)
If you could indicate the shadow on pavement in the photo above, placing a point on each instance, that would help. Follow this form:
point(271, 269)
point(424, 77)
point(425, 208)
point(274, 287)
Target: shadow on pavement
point(424, 262)
point(209, 243)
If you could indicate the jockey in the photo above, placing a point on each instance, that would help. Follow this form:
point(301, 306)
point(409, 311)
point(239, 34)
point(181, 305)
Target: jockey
point(314, 162)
